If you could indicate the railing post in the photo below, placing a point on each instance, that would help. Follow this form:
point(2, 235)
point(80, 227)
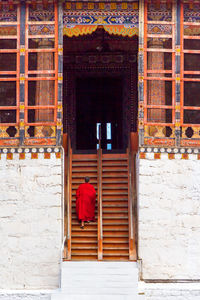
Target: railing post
point(100, 227)
point(69, 199)
point(131, 210)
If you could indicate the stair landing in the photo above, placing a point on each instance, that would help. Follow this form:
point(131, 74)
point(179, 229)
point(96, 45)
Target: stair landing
point(93, 280)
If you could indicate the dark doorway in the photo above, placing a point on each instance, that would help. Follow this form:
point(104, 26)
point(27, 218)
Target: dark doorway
point(100, 89)
point(99, 113)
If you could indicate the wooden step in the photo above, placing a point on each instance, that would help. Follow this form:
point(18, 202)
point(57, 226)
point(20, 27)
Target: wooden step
point(113, 171)
point(83, 176)
point(115, 224)
point(89, 247)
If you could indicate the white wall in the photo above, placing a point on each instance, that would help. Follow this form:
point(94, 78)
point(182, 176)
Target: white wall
point(170, 291)
point(169, 217)
point(30, 222)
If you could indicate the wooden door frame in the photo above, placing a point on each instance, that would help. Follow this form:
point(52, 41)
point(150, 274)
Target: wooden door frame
point(127, 70)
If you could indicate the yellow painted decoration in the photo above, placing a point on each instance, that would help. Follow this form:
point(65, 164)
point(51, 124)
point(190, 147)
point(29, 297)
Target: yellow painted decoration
point(121, 30)
point(113, 5)
point(68, 5)
point(79, 5)
point(101, 5)
point(124, 5)
point(79, 30)
point(135, 5)
point(90, 5)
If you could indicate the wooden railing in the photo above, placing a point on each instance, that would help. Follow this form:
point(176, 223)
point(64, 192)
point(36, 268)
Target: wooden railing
point(132, 197)
point(99, 184)
point(69, 197)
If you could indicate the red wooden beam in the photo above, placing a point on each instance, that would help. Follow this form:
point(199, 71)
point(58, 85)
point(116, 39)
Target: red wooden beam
point(34, 4)
point(45, 4)
point(157, 3)
point(191, 4)
point(10, 3)
point(169, 3)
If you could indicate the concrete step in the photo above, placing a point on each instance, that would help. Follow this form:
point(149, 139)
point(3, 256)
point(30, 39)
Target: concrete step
point(91, 280)
point(60, 296)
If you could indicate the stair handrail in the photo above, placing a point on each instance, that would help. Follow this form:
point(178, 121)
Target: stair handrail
point(69, 202)
point(131, 199)
point(100, 228)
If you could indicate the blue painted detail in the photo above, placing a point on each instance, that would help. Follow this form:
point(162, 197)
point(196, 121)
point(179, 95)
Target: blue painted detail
point(141, 137)
point(21, 115)
point(60, 92)
point(59, 115)
point(178, 92)
point(177, 115)
point(60, 63)
point(22, 22)
point(141, 63)
point(178, 64)
point(21, 136)
point(141, 91)
point(22, 64)
point(58, 137)
point(60, 23)
point(141, 115)
point(89, 19)
point(21, 93)
point(178, 17)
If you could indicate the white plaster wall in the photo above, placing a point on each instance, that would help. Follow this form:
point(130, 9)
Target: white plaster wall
point(22, 295)
point(30, 222)
point(169, 217)
point(170, 291)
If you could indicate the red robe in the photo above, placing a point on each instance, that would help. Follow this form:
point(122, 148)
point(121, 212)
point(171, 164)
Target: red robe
point(85, 202)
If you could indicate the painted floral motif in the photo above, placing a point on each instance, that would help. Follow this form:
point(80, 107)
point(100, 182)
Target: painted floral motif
point(7, 14)
point(192, 15)
point(40, 13)
point(159, 29)
point(44, 29)
point(159, 14)
point(100, 20)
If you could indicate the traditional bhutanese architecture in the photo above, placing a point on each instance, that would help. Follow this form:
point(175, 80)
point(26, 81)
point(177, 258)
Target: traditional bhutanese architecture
point(109, 90)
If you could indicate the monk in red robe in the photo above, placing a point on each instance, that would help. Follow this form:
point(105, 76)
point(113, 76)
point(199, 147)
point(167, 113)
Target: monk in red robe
point(85, 202)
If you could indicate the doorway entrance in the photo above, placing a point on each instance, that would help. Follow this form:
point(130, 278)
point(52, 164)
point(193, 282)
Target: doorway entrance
point(99, 113)
point(100, 91)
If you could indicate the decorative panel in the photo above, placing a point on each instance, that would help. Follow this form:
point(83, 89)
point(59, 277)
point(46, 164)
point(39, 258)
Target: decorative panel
point(9, 72)
point(159, 73)
point(41, 72)
point(81, 18)
point(190, 73)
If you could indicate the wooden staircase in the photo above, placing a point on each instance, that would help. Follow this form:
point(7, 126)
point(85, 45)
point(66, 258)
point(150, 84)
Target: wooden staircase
point(112, 236)
point(84, 243)
point(115, 206)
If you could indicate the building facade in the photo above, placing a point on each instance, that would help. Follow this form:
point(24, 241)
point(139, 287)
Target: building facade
point(138, 63)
